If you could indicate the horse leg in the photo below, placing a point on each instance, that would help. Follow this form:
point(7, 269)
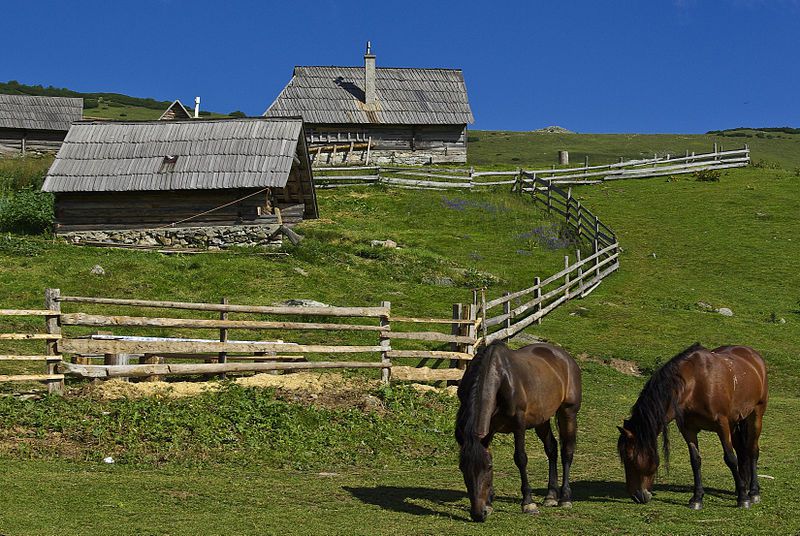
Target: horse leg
point(751, 444)
point(521, 459)
point(696, 502)
point(724, 432)
point(567, 431)
point(739, 438)
point(545, 433)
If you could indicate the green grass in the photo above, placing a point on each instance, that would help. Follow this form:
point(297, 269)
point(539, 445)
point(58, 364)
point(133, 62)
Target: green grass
point(247, 462)
point(527, 150)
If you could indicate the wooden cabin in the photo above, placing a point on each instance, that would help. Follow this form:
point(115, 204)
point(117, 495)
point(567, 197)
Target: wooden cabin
point(375, 114)
point(176, 110)
point(181, 173)
point(33, 123)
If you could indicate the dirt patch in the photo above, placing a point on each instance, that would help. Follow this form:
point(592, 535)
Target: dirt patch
point(620, 365)
point(451, 390)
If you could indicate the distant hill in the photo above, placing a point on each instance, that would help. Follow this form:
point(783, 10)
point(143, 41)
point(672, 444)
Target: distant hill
point(748, 132)
point(104, 105)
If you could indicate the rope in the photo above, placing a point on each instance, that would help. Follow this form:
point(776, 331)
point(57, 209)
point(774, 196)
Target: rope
point(211, 210)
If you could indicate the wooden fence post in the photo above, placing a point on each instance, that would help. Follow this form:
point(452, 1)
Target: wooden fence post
point(580, 271)
point(538, 294)
point(549, 196)
point(223, 336)
point(580, 221)
point(596, 236)
point(566, 276)
point(386, 344)
point(53, 327)
point(472, 332)
point(483, 312)
point(456, 329)
point(569, 202)
point(507, 311)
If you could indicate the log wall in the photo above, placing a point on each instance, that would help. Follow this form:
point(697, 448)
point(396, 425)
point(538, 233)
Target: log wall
point(17, 141)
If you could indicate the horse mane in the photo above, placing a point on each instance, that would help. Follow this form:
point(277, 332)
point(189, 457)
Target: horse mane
point(469, 395)
point(649, 413)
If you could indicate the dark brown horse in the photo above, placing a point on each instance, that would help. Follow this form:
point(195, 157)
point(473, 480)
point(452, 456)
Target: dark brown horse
point(722, 390)
point(511, 391)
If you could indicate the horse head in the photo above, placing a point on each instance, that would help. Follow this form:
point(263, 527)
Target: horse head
point(640, 462)
point(476, 466)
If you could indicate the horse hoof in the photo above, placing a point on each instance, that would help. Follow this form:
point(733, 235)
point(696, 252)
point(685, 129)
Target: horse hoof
point(695, 505)
point(530, 509)
point(755, 499)
point(565, 504)
point(550, 502)
point(743, 504)
point(489, 510)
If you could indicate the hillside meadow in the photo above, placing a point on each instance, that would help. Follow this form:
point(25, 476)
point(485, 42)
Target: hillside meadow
point(265, 461)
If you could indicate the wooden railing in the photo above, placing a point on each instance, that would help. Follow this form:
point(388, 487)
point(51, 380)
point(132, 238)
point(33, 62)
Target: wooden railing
point(434, 178)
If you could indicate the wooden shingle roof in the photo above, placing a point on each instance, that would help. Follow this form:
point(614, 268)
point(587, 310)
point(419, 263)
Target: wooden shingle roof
point(335, 95)
point(39, 113)
point(177, 155)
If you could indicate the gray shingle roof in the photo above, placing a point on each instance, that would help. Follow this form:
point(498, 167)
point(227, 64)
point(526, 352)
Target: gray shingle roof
point(405, 96)
point(39, 113)
point(223, 153)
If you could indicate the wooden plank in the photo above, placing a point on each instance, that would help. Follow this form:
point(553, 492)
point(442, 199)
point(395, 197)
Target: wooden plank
point(430, 320)
point(83, 319)
point(425, 374)
point(430, 354)
point(105, 346)
point(432, 184)
point(331, 169)
point(27, 312)
point(29, 336)
point(139, 371)
point(371, 312)
point(30, 358)
point(53, 327)
point(31, 377)
point(430, 336)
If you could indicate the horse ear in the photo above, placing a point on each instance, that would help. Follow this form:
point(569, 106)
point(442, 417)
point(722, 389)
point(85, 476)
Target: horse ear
point(623, 431)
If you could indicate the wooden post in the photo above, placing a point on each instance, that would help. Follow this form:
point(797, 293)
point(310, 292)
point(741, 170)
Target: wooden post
point(483, 311)
point(580, 271)
point(715, 147)
point(24, 143)
point(563, 158)
point(586, 161)
point(455, 329)
point(596, 259)
point(386, 343)
point(146, 359)
point(549, 196)
point(596, 233)
point(51, 302)
point(507, 311)
point(369, 147)
point(538, 294)
point(472, 314)
point(569, 202)
point(566, 276)
point(116, 359)
point(223, 337)
point(580, 221)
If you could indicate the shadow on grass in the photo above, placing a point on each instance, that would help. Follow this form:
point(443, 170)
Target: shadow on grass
point(406, 499)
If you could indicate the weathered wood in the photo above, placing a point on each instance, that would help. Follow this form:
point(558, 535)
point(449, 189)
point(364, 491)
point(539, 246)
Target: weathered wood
point(385, 343)
point(30, 357)
point(29, 336)
point(432, 184)
point(32, 378)
point(138, 371)
point(372, 312)
point(27, 312)
point(105, 346)
point(425, 374)
point(430, 336)
point(430, 354)
point(53, 328)
point(223, 335)
point(430, 320)
point(83, 319)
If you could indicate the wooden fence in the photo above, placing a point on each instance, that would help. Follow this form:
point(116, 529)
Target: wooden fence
point(468, 178)
point(320, 337)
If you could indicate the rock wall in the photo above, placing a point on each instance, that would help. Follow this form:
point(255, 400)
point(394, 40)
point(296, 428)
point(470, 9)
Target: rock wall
point(212, 237)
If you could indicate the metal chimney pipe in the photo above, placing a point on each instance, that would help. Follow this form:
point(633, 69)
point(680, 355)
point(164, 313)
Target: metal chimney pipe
point(196, 107)
point(370, 94)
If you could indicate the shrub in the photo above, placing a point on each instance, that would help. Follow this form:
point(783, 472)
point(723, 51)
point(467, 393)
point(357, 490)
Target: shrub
point(707, 175)
point(27, 212)
point(237, 113)
point(89, 103)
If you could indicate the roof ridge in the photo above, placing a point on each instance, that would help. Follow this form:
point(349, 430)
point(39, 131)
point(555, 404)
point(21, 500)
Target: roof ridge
point(195, 121)
point(378, 68)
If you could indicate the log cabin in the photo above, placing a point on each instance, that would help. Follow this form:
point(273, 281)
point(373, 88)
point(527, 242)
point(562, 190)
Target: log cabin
point(379, 115)
point(181, 174)
point(31, 123)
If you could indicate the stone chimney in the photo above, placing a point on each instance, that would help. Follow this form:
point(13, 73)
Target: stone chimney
point(370, 96)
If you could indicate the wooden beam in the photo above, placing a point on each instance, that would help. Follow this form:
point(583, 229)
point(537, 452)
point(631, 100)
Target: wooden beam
point(423, 374)
point(112, 346)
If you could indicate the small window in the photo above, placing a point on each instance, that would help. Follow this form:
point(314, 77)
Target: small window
point(168, 164)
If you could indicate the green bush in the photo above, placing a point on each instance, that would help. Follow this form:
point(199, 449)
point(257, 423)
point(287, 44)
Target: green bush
point(707, 175)
point(237, 113)
point(89, 103)
point(27, 212)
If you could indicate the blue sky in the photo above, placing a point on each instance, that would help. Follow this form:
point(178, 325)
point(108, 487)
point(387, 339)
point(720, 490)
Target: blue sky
point(682, 66)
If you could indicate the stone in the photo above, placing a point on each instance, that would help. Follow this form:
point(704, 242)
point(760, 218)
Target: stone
point(97, 270)
point(724, 311)
point(705, 306)
point(384, 243)
point(372, 402)
point(300, 271)
point(300, 302)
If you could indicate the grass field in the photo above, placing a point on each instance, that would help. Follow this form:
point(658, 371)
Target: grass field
point(250, 462)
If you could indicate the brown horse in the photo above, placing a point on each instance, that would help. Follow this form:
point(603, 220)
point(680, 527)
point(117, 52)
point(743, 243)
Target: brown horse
point(511, 391)
point(722, 390)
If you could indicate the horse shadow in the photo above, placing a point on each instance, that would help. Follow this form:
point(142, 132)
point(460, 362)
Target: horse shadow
point(406, 499)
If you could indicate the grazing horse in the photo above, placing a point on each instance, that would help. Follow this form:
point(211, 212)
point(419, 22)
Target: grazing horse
point(509, 391)
point(722, 390)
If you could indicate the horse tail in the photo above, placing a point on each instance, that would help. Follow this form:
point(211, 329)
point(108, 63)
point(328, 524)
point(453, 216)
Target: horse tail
point(486, 392)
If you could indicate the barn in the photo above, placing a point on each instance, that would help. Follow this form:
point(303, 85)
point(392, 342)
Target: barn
point(376, 114)
point(33, 123)
point(191, 182)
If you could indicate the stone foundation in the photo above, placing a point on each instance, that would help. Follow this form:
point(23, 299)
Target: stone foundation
point(212, 237)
